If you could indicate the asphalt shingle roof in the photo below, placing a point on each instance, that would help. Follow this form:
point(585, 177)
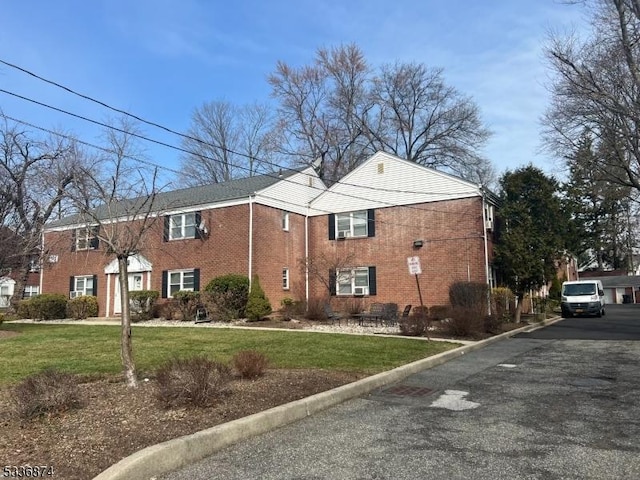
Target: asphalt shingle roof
point(183, 198)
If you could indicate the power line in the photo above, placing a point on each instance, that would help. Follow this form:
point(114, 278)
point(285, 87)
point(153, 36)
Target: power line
point(106, 150)
point(169, 130)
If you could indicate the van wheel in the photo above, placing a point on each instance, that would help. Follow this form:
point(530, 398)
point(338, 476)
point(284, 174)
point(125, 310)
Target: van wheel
point(603, 312)
point(600, 313)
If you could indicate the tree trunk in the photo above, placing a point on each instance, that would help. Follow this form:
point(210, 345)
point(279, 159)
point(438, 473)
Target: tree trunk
point(518, 313)
point(126, 347)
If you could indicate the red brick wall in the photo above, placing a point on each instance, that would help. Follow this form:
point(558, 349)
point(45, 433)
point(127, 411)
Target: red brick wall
point(224, 250)
point(452, 232)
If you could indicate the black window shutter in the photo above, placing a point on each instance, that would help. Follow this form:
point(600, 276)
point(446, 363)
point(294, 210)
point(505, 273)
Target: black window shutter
point(372, 281)
point(332, 282)
point(73, 240)
point(72, 284)
point(196, 279)
point(95, 286)
point(198, 220)
point(165, 233)
point(332, 227)
point(371, 223)
point(94, 243)
point(165, 284)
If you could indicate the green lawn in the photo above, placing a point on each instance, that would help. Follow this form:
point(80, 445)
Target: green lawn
point(93, 349)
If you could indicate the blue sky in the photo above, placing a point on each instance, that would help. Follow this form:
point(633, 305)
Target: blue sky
point(160, 59)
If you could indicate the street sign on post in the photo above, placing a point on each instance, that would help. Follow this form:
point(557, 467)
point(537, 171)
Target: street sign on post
point(414, 265)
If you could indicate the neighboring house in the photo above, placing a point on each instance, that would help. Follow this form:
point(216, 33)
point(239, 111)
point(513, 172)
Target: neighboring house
point(617, 287)
point(389, 209)
point(361, 230)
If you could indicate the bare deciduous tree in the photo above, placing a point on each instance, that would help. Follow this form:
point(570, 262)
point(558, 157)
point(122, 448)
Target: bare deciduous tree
point(36, 175)
point(597, 88)
point(127, 210)
point(226, 142)
point(340, 110)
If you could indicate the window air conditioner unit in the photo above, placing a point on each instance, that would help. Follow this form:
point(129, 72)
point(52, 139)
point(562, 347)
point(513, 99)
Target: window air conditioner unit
point(77, 293)
point(488, 224)
point(342, 234)
point(358, 291)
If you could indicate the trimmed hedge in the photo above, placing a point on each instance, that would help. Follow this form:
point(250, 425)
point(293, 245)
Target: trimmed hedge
point(83, 307)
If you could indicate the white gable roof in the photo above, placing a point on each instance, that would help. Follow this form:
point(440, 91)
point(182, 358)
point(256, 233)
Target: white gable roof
point(385, 180)
point(137, 263)
point(293, 193)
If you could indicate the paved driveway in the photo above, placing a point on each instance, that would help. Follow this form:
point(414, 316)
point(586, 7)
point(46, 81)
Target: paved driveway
point(556, 403)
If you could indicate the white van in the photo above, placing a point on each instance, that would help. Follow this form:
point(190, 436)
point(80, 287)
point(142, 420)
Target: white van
point(582, 297)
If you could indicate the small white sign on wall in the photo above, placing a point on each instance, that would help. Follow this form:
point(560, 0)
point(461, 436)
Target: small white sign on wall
point(414, 265)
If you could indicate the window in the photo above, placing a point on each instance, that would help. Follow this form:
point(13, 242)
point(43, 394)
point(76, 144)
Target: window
point(86, 238)
point(285, 221)
point(352, 224)
point(181, 280)
point(285, 279)
point(182, 226)
point(353, 281)
point(34, 265)
point(84, 285)
point(31, 291)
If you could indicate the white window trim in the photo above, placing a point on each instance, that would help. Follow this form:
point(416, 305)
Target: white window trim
point(350, 233)
point(31, 290)
point(183, 225)
point(181, 284)
point(83, 291)
point(352, 277)
point(285, 279)
point(86, 235)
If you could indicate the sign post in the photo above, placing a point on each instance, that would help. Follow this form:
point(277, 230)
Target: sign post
point(415, 269)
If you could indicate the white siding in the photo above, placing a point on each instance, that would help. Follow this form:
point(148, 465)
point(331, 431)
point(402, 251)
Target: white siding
point(396, 182)
point(293, 193)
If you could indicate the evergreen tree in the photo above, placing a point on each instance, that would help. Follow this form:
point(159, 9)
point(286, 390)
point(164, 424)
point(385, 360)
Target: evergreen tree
point(258, 305)
point(533, 231)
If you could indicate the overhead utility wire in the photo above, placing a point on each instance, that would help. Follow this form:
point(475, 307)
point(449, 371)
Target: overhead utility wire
point(159, 142)
point(106, 150)
point(174, 132)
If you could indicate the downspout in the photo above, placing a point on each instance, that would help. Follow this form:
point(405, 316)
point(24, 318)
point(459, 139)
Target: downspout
point(41, 279)
point(108, 306)
point(250, 239)
point(306, 257)
point(486, 250)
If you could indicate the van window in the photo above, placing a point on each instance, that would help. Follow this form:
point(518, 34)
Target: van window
point(574, 289)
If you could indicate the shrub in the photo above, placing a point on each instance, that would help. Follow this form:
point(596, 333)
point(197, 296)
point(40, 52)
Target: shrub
point(556, 288)
point(258, 305)
point(168, 309)
point(50, 391)
point(47, 306)
point(501, 299)
point(415, 325)
point(464, 322)
point(195, 381)
point(439, 312)
point(249, 363)
point(24, 309)
point(493, 324)
point(230, 293)
point(219, 305)
point(314, 309)
point(143, 304)
point(187, 302)
point(83, 307)
point(469, 295)
point(291, 308)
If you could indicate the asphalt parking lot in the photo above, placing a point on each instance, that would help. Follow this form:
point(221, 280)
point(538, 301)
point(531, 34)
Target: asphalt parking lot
point(561, 402)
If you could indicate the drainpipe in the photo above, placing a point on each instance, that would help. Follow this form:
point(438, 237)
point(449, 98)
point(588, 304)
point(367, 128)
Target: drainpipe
point(306, 256)
point(108, 306)
point(486, 249)
point(250, 239)
point(41, 279)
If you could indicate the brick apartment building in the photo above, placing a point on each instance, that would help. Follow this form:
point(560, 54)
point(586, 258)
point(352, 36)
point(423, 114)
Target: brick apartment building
point(355, 238)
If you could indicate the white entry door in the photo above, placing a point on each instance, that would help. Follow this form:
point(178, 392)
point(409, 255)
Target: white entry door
point(135, 283)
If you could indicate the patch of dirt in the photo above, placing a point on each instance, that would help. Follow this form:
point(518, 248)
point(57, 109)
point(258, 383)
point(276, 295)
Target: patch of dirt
point(117, 421)
point(7, 334)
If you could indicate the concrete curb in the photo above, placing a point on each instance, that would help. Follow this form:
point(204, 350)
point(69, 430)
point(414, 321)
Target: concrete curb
point(173, 454)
